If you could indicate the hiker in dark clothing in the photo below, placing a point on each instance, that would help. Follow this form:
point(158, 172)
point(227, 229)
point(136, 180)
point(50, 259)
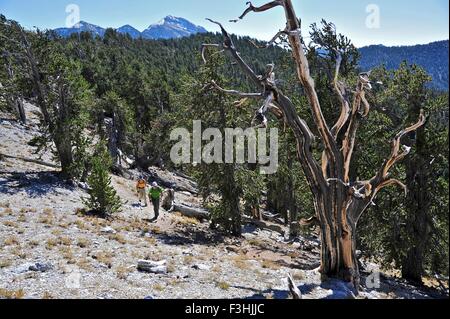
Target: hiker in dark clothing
point(155, 196)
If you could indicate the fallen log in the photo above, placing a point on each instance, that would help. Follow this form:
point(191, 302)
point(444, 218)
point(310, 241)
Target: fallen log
point(181, 186)
point(263, 225)
point(154, 267)
point(30, 160)
point(186, 177)
point(188, 211)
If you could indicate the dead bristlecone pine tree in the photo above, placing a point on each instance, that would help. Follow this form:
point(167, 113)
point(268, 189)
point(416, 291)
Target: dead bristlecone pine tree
point(339, 201)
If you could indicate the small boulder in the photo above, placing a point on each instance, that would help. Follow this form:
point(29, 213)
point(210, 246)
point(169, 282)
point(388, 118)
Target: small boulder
point(41, 267)
point(201, 267)
point(108, 230)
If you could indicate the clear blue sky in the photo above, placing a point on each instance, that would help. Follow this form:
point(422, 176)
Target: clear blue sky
point(401, 21)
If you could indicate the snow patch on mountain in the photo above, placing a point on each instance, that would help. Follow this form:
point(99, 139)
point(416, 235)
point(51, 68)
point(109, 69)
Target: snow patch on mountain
point(168, 28)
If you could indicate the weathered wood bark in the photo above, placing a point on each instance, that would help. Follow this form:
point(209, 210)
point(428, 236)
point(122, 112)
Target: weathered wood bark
point(168, 200)
point(113, 144)
point(191, 211)
point(182, 186)
point(418, 206)
point(338, 201)
point(20, 109)
point(295, 292)
point(152, 267)
point(15, 101)
point(60, 134)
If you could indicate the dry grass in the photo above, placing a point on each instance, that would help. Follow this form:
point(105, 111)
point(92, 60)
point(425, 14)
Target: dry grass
point(122, 272)
point(22, 218)
point(12, 294)
point(65, 241)
point(216, 269)
point(19, 253)
point(83, 242)
point(150, 240)
point(5, 263)
point(84, 263)
point(171, 267)
point(11, 241)
point(294, 254)
point(47, 217)
point(97, 223)
point(159, 287)
point(82, 225)
point(47, 296)
point(188, 260)
point(155, 230)
point(51, 243)
point(182, 220)
point(46, 220)
point(269, 296)
point(11, 224)
point(223, 285)
point(269, 264)
point(136, 224)
point(48, 211)
point(241, 261)
point(33, 243)
point(56, 232)
point(8, 211)
point(58, 241)
point(298, 275)
point(67, 254)
point(104, 258)
point(258, 243)
point(5, 205)
point(119, 238)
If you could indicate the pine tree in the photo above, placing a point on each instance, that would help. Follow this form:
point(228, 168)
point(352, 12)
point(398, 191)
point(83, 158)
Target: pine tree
point(103, 199)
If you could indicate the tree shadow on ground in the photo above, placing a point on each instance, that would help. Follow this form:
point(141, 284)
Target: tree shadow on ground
point(34, 184)
point(402, 288)
point(192, 237)
point(285, 294)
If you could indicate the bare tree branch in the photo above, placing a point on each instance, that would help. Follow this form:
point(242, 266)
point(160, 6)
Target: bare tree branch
point(228, 45)
point(348, 144)
point(252, 8)
point(391, 182)
point(281, 106)
point(304, 76)
point(345, 104)
point(396, 156)
point(382, 180)
point(234, 92)
point(203, 49)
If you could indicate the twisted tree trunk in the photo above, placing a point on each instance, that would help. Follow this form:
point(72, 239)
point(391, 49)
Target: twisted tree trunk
point(339, 202)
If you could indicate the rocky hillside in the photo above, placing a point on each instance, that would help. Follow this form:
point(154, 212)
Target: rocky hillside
point(49, 250)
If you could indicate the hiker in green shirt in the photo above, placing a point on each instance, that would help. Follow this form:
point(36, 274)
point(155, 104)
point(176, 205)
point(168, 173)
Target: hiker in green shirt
point(155, 196)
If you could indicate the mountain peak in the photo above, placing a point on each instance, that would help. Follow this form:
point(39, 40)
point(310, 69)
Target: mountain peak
point(130, 30)
point(172, 27)
point(169, 27)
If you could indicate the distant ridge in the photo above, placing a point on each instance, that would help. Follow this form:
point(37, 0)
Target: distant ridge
point(168, 28)
point(433, 57)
